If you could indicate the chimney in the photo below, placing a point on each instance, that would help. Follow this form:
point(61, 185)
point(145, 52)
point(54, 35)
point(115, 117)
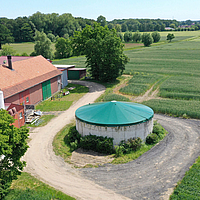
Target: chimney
point(9, 62)
point(2, 105)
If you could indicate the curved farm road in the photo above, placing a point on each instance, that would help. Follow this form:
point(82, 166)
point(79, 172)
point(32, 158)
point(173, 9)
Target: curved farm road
point(45, 165)
point(152, 176)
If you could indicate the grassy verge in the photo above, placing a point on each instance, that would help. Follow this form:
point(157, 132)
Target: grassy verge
point(60, 147)
point(189, 186)
point(26, 187)
point(60, 102)
point(54, 105)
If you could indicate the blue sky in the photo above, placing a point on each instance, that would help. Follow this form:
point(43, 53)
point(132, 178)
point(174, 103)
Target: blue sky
point(111, 9)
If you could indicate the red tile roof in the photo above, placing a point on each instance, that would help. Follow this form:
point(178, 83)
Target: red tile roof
point(14, 58)
point(26, 74)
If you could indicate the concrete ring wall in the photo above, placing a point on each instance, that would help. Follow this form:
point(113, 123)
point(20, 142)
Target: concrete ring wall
point(119, 133)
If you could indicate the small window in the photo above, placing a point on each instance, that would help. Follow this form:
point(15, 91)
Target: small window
point(27, 99)
point(20, 115)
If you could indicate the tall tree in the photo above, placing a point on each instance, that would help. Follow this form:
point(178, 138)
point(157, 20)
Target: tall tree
point(155, 36)
point(13, 146)
point(42, 45)
point(63, 48)
point(170, 37)
point(103, 50)
point(102, 20)
point(5, 35)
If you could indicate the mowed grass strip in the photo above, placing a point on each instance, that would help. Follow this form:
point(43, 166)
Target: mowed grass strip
point(181, 87)
point(177, 108)
point(189, 186)
point(49, 105)
point(26, 187)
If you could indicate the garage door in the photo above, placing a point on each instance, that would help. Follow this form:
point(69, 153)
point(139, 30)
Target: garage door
point(46, 89)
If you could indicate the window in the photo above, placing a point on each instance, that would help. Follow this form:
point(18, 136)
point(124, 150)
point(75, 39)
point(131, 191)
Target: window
point(20, 115)
point(27, 99)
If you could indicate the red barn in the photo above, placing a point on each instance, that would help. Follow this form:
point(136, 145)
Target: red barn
point(29, 80)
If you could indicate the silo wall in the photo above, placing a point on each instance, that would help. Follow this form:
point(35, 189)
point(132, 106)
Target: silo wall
point(119, 133)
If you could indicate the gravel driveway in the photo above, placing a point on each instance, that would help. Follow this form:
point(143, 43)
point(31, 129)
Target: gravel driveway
point(152, 176)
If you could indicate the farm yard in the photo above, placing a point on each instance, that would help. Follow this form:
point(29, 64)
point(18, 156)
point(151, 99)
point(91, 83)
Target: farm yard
point(169, 72)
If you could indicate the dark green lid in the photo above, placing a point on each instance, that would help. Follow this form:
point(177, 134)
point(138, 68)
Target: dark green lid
point(114, 113)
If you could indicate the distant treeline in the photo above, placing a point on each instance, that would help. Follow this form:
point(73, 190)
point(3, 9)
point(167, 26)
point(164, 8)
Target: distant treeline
point(22, 29)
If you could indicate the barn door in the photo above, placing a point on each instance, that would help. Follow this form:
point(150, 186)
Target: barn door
point(46, 89)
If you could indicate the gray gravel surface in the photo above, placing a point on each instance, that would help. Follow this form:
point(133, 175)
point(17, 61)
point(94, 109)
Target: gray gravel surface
point(155, 173)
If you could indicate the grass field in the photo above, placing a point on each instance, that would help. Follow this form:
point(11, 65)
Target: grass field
point(26, 187)
point(26, 47)
point(189, 187)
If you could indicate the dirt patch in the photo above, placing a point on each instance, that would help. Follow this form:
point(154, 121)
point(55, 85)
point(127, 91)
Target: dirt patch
point(130, 45)
point(83, 158)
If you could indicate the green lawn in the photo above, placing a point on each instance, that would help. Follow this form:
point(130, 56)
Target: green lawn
point(26, 187)
point(26, 47)
point(60, 102)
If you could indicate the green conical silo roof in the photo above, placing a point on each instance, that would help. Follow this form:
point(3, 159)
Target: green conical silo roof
point(114, 113)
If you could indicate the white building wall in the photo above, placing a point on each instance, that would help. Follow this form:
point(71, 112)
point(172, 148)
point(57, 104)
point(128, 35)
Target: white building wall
point(118, 133)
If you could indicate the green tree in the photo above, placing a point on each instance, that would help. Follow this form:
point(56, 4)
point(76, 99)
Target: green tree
point(118, 27)
point(147, 39)
point(124, 27)
point(102, 20)
point(5, 35)
point(51, 37)
point(63, 48)
point(170, 36)
point(7, 50)
point(13, 146)
point(156, 36)
point(137, 36)
point(103, 50)
point(42, 45)
point(128, 36)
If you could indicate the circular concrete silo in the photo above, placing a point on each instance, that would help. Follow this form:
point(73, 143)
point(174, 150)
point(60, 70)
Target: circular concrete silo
point(118, 120)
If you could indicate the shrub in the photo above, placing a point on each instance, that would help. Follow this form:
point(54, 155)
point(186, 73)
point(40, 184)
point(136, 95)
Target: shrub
point(128, 36)
point(147, 39)
point(131, 144)
point(97, 143)
point(152, 138)
point(72, 136)
point(159, 131)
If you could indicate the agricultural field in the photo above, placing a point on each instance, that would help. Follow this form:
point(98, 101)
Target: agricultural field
point(140, 83)
point(189, 187)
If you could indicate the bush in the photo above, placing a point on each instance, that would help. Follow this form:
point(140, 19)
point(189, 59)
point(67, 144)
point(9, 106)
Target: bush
point(97, 143)
point(155, 36)
point(128, 36)
point(73, 136)
point(152, 138)
point(137, 36)
point(147, 39)
point(131, 144)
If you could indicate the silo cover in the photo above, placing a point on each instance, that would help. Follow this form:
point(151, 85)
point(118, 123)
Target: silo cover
point(114, 113)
